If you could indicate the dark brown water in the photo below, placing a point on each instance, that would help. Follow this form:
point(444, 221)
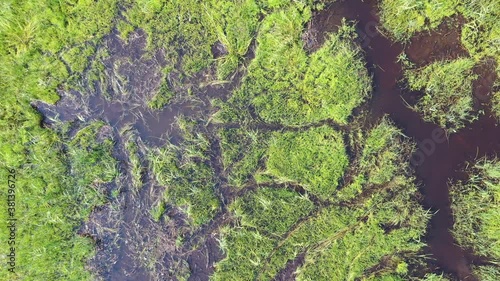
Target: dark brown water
point(435, 161)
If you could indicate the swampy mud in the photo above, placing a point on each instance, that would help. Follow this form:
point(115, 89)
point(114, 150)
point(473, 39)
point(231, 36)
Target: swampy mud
point(435, 162)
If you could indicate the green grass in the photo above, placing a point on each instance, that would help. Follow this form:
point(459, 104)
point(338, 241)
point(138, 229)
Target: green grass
point(495, 104)
point(270, 210)
point(486, 272)
point(185, 172)
point(383, 151)
point(403, 18)
point(330, 237)
point(235, 23)
point(56, 186)
point(242, 152)
point(286, 85)
point(134, 155)
point(447, 88)
point(475, 206)
point(315, 159)
point(481, 33)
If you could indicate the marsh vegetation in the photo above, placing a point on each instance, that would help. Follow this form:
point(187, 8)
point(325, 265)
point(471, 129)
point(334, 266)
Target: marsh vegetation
point(267, 163)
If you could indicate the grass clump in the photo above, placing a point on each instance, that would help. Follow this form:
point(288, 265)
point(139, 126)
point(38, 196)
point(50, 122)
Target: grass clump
point(235, 23)
point(388, 219)
point(163, 97)
point(475, 205)
point(315, 159)
point(90, 157)
point(245, 250)
point(187, 175)
point(286, 85)
point(242, 152)
point(383, 152)
point(271, 210)
point(403, 18)
point(447, 88)
point(480, 35)
point(57, 186)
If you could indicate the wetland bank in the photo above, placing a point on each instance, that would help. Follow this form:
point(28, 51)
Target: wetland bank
point(253, 140)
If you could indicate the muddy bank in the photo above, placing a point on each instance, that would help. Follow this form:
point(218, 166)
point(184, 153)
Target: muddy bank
point(441, 160)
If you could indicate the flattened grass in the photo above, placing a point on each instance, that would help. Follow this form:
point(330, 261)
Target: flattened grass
point(242, 152)
point(271, 210)
point(315, 159)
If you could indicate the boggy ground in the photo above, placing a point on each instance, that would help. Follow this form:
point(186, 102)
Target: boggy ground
point(140, 248)
point(443, 160)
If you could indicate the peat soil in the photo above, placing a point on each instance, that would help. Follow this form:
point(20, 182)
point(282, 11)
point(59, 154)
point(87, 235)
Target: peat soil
point(435, 162)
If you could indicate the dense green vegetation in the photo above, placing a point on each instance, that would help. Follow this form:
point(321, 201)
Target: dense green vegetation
point(303, 178)
point(390, 220)
point(286, 85)
point(475, 205)
point(43, 44)
point(242, 152)
point(447, 88)
point(403, 18)
point(315, 159)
